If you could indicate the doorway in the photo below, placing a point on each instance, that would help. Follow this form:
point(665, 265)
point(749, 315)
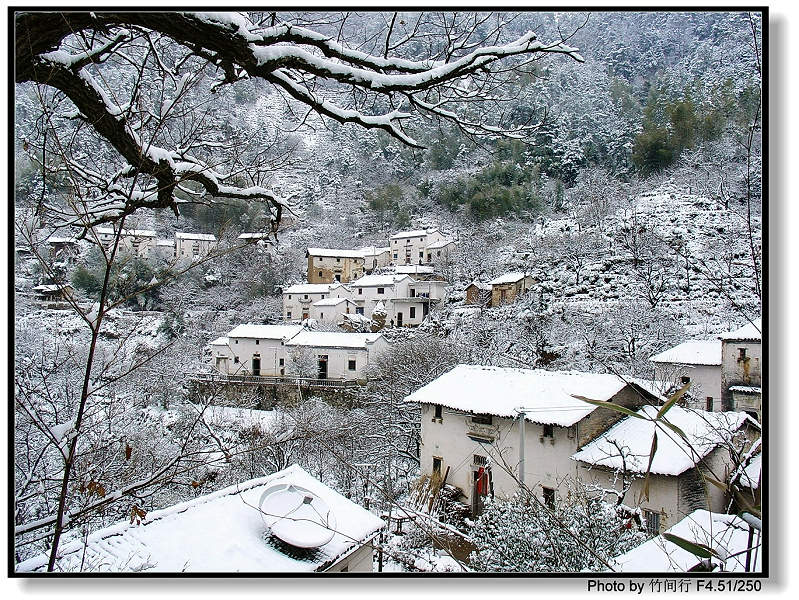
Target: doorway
point(323, 366)
point(399, 319)
point(256, 366)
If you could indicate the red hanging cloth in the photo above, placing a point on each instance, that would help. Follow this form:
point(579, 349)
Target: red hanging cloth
point(481, 482)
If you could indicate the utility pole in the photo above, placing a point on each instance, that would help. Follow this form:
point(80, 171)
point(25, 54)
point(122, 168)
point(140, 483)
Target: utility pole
point(522, 415)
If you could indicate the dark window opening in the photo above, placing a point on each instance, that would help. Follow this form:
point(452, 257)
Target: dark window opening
point(483, 419)
point(549, 431)
point(709, 403)
point(549, 498)
point(685, 379)
point(438, 412)
point(741, 353)
point(652, 521)
point(436, 465)
point(412, 314)
point(281, 362)
point(351, 364)
point(381, 290)
point(480, 461)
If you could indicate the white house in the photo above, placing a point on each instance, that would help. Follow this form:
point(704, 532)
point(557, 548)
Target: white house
point(293, 351)
point(469, 425)
point(728, 536)
point(329, 310)
point(741, 367)
point(697, 362)
point(438, 250)
point(253, 350)
point(297, 299)
point(193, 245)
point(287, 522)
point(676, 487)
point(410, 247)
point(339, 356)
point(135, 241)
point(375, 257)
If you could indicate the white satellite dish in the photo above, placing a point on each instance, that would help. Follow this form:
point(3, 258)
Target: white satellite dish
point(297, 516)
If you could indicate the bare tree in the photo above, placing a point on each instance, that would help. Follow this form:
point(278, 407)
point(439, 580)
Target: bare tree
point(76, 53)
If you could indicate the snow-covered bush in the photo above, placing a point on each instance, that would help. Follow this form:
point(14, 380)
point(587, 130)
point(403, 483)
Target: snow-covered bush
point(523, 535)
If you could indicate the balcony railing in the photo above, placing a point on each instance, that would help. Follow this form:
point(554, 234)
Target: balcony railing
point(305, 382)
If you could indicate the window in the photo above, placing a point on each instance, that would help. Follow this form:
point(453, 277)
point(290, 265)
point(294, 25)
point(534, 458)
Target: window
point(437, 465)
point(320, 273)
point(236, 342)
point(236, 359)
point(709, 403)
point(288, 314)
point(741, 353)
point(412, 314)
point(306, 296)
point(281, 362)
point(549, 431)
point(289, 296)
point(351, 364)
point(421, 253)
point(482, 419)
point(338, 260)
point(381, 290)
point(359, 310)
point(323, 296)
point(652, 521)
point(549, 497)
point(685, 379)
point(321, 316)
point(257, 342)
point(437, 414)
point(480, 461)
point(360, 291)
point(395, 256)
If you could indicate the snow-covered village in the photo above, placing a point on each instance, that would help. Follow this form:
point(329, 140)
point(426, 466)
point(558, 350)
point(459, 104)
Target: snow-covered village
point(388, 293)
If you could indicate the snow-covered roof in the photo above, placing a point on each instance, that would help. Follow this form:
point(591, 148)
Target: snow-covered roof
point(546, 396)
point(414, 269)
point(62, 240)
point(512, 277)
point(748, 333)
point(253, 236)
point(379, 280)
point(693, 352)
point(746, 389)
point(728, 535)
point(269, 332)
point(332, 339)
point(335, 253)
point(221, 341)
point(704, 431)
point(128, 232)
point(52, 287)
point(479, 285)
point(413, 233)
point(311, 288)
point(752, 472)
point(205, 237)
point(220, 532)
point(170, 243)
point(439, 244)
point(332, 302)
